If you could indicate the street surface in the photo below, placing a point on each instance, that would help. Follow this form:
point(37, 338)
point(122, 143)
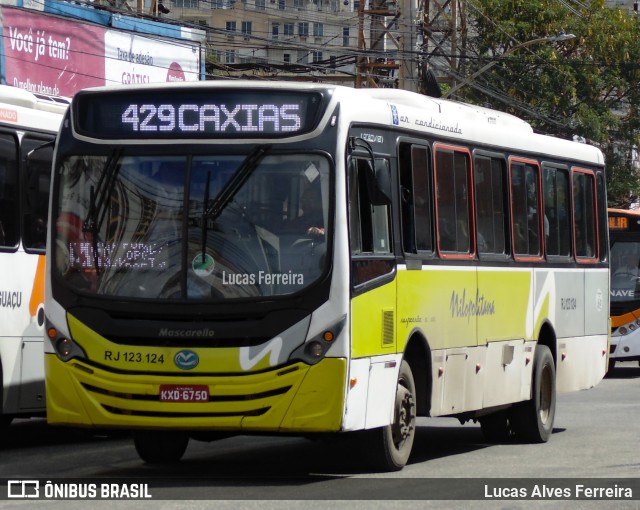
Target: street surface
point(596, 435)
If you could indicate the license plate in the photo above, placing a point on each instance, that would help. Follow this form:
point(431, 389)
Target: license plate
point(184, 393)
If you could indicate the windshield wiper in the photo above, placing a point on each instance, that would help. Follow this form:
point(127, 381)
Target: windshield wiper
point(241, 175)
point(98, 196)
point(229, 190)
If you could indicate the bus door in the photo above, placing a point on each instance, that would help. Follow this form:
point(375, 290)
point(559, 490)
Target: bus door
point(373, 304)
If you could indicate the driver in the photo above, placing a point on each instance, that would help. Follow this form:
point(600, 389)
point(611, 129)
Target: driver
point(311, 221)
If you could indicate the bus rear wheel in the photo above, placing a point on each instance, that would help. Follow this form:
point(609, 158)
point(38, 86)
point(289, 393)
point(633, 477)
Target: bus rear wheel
point(389, 447)
point(533, 420)
point(160, 446)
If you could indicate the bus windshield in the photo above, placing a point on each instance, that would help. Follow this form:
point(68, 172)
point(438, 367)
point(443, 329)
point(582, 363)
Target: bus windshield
point(625, 275)
point(192, 227)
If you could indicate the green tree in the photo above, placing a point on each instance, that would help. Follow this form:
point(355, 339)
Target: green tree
point(586, 87)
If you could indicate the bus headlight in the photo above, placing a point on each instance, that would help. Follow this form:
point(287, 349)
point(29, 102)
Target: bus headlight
point(622, 331)
point(65, 348)
point(315, 348)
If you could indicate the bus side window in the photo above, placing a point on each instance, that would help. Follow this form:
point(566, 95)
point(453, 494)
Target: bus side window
point(9, 226)
point(453, 190)
point(525, 209)
point(37, 177)
point(556, 211)
point(415, 196)
point(490, 183)
point(370, 224)
point(584, 214)
point(369, 227)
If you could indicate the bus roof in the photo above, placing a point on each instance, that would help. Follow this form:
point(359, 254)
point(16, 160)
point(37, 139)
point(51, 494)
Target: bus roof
point(415, 112)
point(21, 108)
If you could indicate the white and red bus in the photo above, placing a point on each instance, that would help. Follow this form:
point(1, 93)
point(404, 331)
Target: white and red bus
point(28, 127)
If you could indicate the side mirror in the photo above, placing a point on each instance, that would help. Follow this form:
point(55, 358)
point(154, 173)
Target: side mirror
point(379, 182)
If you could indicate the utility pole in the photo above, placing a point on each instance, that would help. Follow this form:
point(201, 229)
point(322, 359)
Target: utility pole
point(378, 59)
point(444, 36)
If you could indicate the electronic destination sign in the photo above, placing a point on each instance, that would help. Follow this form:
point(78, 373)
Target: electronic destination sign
point(196, 113)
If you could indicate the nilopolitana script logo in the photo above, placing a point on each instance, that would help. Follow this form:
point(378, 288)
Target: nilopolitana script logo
point(186, 360)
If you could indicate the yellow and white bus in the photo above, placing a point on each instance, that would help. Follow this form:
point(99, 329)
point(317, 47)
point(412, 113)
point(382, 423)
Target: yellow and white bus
point(624, 238)
point(237, 258)
point(28, 127)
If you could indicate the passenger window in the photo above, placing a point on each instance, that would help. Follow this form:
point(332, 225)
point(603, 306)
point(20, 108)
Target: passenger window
point(525, 209)
point(369, 224)
point(452, 177)
point(9, 224)
point(584, 214)
point(37, 177)
point(490, 184)
point(557, 224)
point(415, 196)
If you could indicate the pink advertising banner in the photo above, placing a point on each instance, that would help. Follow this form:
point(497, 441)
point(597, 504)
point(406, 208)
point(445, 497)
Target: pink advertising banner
point(51, 55)
point(58, 56)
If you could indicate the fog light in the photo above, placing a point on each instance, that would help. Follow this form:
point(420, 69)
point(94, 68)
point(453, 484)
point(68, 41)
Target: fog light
point(64, 347)
point(623, 330)
point(632, 327)
point(314, 349)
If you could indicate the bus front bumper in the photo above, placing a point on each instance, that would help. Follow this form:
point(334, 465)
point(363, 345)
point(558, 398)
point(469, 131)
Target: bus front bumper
point(295, 398)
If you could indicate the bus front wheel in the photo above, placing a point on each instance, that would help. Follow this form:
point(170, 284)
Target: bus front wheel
point(160, 446)
point(533, 420)
point(389, 447)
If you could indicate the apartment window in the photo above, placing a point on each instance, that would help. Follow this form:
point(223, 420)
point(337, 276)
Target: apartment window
point(287, 58)
point(261, 5)
point(318, 29)
point(303, 29)
point(275, 28)
point(317, 57)
point(282, 5)
point(246, 28)
point(345, 36)
point(298, 4)
point(231, 26)
point(288, 29)
point(230, 57)
point(186, 4)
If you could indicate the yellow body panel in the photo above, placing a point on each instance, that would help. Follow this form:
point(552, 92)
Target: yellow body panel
point(369, 313)
point(452, 308)
point(125, 394)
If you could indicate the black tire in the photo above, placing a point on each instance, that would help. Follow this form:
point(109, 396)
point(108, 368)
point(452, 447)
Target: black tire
point(532, 420)
point(389, 447)
point(496, 427)
point(160, 446)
